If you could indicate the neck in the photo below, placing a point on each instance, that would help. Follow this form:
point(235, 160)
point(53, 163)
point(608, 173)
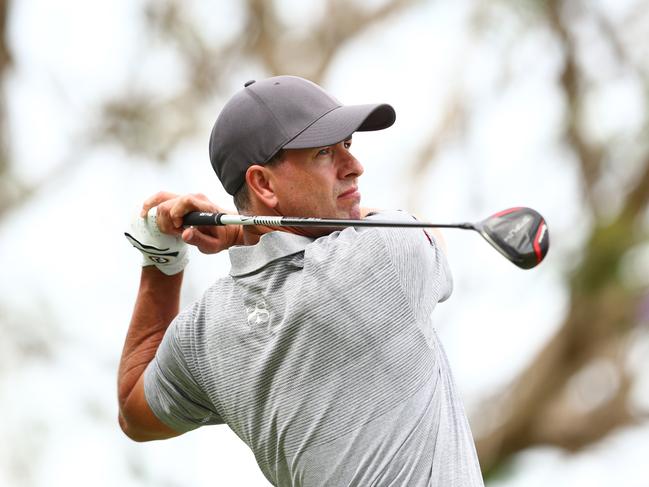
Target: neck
point(252, 233)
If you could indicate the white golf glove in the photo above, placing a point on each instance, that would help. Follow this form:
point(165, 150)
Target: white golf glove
point(167, 252)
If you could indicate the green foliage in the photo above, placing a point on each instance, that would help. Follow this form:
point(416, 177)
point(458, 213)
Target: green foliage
point(604, 253)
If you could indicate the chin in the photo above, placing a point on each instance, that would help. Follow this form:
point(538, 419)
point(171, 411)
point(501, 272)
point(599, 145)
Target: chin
point(354, 213)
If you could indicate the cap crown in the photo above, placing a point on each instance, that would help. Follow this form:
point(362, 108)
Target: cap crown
point(259, 120)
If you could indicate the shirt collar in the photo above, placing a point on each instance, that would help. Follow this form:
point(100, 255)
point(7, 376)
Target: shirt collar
point(245, 259)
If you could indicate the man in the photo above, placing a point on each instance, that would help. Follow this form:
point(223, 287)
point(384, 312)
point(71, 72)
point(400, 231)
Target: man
point(317, 349)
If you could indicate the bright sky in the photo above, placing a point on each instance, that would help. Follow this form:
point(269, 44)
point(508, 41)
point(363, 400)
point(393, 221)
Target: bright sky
point(63, 254)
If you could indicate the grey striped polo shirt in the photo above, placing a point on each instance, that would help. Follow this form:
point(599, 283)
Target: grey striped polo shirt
point(321, 356)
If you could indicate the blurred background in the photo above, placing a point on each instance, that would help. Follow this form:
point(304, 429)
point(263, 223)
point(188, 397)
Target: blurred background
point(499, 103)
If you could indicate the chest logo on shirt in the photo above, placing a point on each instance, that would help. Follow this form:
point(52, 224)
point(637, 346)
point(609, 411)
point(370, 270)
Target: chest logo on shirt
point(259, 314)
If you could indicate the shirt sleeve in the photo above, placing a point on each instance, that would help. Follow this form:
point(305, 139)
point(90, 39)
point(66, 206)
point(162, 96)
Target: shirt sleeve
point(171, 385)
point(419, 262)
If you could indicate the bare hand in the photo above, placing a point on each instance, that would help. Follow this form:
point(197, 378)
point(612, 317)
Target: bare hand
point(208, 239)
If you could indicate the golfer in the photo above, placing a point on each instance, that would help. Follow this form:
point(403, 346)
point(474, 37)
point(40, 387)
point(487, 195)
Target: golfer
point(317, 348)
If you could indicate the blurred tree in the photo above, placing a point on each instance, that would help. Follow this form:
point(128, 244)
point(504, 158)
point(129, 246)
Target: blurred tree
point(23, 337)
point(589, 350)
point(6, 180)
point(139, 121)
point(594, 336)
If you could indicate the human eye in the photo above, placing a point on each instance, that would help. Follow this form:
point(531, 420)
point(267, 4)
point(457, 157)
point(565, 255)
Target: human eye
point(348, 143)
point(324, 151)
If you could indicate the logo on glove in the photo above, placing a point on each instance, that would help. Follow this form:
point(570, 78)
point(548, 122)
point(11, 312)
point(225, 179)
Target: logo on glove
point(158, 260)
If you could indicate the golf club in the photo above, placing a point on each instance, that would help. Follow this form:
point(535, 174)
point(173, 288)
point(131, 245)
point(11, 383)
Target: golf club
point(520, 233)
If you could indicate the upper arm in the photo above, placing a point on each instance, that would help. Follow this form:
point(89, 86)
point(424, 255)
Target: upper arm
point(172, 385)
point(168, 399)
point(138, 420)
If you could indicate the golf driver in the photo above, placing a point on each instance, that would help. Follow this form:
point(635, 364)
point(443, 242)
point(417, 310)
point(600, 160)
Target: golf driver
point(520, 234)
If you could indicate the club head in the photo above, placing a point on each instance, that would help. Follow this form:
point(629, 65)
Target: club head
point(520, 234)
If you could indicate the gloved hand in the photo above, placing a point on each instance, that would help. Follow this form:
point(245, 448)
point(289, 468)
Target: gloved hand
point(167, 252)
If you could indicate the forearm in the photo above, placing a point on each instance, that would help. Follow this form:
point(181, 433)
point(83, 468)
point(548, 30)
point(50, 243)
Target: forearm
point(156, 306)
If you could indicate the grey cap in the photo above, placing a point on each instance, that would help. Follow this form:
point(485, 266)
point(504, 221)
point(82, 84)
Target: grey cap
point(283, 112)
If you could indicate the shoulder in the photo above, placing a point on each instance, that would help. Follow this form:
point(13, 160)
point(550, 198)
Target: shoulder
point(373, 243)
point(401, 239)
point(191, 324)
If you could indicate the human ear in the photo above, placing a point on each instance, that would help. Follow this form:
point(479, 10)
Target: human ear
point(260, 183)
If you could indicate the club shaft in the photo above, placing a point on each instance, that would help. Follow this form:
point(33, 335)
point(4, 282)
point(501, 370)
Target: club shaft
point(202, 218)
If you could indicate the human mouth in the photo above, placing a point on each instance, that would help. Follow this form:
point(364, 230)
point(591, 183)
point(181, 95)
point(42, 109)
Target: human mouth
point(350, 193)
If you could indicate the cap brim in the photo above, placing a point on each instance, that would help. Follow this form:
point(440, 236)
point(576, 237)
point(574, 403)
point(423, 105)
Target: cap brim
point(338, 124)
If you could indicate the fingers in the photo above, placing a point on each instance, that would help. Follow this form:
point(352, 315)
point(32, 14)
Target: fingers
point(155, 200)
point(185, 204)
point(213, 239)
point(205, 242)
point(171, 208)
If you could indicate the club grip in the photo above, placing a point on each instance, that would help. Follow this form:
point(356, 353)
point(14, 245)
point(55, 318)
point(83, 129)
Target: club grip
point(196, 218)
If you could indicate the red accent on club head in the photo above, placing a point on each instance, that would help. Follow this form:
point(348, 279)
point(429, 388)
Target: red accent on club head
point(506, 212)
point(537, 245)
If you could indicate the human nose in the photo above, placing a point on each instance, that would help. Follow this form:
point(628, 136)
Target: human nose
point(349, 166)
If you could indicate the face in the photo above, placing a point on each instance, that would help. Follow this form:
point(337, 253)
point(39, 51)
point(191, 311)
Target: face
point(320, 182)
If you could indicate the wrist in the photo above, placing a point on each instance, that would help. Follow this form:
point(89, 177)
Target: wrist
point(158, 300)
point(151, 274)
point(164, 251)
